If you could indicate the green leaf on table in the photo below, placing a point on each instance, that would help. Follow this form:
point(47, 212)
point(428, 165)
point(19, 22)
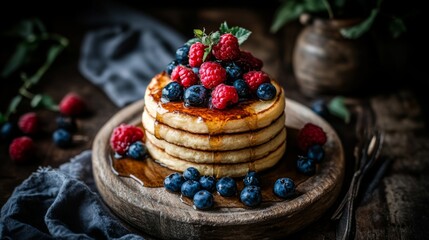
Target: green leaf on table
point(361, 28)
point(337, 107)
point(397, 27)
point(44, 101)
point(13, 105)
point(36, 100)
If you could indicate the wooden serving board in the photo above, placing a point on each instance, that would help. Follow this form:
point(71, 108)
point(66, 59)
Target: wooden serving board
point(159, 213)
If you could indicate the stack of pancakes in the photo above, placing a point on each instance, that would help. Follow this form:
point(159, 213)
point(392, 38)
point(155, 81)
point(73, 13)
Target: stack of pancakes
point(229, 142)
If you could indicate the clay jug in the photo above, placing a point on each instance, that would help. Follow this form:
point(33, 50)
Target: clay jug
point(325, 62)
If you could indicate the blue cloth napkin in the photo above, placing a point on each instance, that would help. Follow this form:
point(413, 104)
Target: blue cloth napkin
point(60, 203)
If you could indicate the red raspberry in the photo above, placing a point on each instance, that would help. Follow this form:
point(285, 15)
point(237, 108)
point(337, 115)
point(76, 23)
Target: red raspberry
point(29, 123)
point(212, 74)
point(224, 96)
point(309, 135)
point(227, 49)
point(72, 105)
point(123, 136)
point(21, 149)
point(196, 54)
point(185, 76)
point(255, 78)
point(248, 62)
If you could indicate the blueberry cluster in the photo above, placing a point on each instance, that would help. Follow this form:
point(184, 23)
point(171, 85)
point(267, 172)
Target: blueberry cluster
point(306, 164)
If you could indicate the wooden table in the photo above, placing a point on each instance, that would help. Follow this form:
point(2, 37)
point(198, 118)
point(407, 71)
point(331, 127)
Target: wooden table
point(397, 208)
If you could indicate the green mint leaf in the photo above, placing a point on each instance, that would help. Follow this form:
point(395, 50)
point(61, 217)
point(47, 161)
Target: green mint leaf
point(17, 60)
point(198, 33)
point(338, 108)
point(207, 52)
point(36, 100)
point(13, 105)
point(214, 37)
point(49, 103)
point(192, 41)
point(361, 28)
point(224, 28)
point(241, 34)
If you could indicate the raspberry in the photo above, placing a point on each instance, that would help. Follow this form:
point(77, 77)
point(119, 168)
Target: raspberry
point(248, 62)
point(227, 49)
point(224, 96)
point(212, 74)
point(21, 149)
point(309, 135)
point(123, 136)
point(196, 54)
point(255, 78)
point(185, 76)
point(29, 123)
point(72, 105)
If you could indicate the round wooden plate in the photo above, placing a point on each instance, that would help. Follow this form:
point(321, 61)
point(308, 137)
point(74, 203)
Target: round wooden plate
point(159, 213)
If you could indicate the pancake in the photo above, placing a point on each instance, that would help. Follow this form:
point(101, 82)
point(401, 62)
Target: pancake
point(216, 170)
point(245, 116)
point(212, 142)
point(219, 157)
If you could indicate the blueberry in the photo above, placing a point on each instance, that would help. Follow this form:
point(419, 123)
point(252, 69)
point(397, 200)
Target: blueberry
point(320, 108)
point(196, 96)
point(251, 178)
point(203, 199)
point(182, 54)
point(196, 70)
point(137, 150)
point(173, 182)
point(251, 196)
point(171, 66)
point(8, 131)
point(233, 71)
point(208, 183)
point(284, 188)
point(62, 138)
point(305, 165)
point(189, 188)
point(226, 187)
point(316, 153)
point(266, 91)
point(172, 92)
point(242, 88)
point(191, 173)
point(67, 123)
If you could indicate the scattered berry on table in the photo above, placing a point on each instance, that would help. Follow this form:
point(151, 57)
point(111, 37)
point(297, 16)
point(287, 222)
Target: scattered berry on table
point(189, 188)
point(29, 123)
point(72, 105)
point(212, 74)
point(67, 123)
point(255, 78)
point(184, 75)
point(196, 54)
point(227, 49)
point(251, 196)
point(266, 91)
point(320, 108)
point(252, 178)
point(311, 134)
point(208, 183)
point(226, 187)
point(196, 96)
point(137, 150)
point(316, 152)
point(21, 149)
point(171, 66)
point(182, 54)
point(242, 88)
point(203, 200)
point(305, 165)
point(224, 96)
point(8, 131)
point(62, 138)
point(284, 188)
point(173, 182)
point(233, 71)
point(123, 136)
point(191, 173)
point(248, 62)
point(172, 92)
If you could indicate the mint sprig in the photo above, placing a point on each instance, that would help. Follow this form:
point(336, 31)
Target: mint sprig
point(212, 39)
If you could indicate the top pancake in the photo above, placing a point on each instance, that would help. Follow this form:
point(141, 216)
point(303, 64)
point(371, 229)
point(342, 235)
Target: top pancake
point(245, 116)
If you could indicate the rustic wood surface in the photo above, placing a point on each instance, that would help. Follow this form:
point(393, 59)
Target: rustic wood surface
point(140, 206)
point(395, 209)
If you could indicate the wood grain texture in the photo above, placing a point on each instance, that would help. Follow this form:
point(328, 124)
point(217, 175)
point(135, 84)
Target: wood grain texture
point(162, 214)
